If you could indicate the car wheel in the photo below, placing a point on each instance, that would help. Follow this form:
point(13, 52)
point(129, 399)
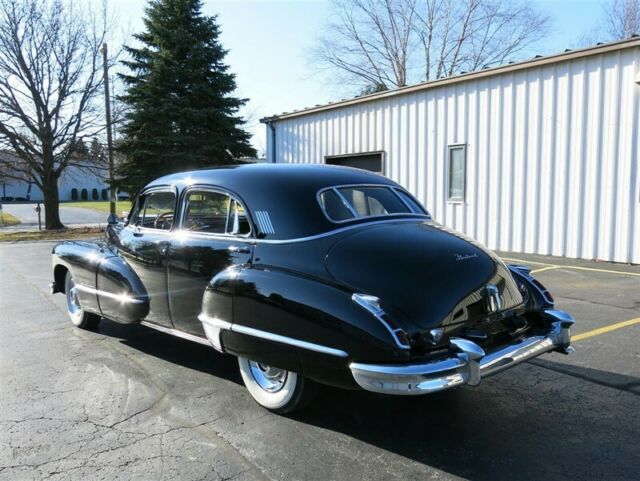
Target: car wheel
point(80, 318)
point(276, 389)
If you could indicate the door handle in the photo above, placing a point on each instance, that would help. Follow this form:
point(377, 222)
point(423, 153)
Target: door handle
point(239, 249)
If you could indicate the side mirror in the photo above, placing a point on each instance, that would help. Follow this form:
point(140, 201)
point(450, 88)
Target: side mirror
point(112, 219)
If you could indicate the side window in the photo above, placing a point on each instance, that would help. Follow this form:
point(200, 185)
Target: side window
point(154, 211)
point(206, 212)
point(237, 223)
point(457, 166)
point(135, 218)
point(215, 213)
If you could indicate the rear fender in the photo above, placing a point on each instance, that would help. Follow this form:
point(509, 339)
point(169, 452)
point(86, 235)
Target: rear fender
point(286, 319)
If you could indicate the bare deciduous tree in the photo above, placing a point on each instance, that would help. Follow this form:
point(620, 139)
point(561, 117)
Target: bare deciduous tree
point(380, 44)
point(622, 19)
point(50, 82)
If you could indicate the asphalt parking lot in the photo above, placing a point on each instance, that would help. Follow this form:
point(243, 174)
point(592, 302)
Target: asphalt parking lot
point(128, 402)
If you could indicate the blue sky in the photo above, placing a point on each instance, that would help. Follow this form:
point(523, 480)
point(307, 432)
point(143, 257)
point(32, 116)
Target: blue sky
point(268, 42)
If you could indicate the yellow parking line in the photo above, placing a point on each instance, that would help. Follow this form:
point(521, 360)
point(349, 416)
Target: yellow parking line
point(602, 330)
point(536, 263)
point(545, 269)
point(589, 269)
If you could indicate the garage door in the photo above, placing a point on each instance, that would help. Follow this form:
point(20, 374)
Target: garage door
point(370, 161)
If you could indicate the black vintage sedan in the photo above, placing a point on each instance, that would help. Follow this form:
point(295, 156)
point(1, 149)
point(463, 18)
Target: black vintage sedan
point(311, 274)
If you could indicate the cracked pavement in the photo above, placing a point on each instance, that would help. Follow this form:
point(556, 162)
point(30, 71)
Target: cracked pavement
point(127, 402)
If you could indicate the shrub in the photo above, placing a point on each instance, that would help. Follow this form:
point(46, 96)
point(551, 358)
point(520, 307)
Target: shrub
point(94, 194)
point(84, 195)
point(74, 194)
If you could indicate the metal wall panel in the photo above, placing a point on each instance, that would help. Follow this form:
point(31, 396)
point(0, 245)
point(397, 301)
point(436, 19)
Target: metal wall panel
point(552, 153)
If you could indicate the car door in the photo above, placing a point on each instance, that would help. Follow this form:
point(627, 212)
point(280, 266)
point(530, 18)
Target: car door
point(214, 235)
point(144, 243)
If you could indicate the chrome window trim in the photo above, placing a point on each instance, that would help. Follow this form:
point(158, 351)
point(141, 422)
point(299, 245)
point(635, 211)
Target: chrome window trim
point(219, 190)
point(392, 188)
point(152, 190)
point(269, 336)
point(345, 202)
point(396, 190)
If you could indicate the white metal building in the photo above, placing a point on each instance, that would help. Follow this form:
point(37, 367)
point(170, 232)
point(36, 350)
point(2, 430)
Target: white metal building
point(72, 179)
point(539, 156)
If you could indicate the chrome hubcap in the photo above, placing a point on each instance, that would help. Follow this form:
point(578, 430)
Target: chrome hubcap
point(269, 378)
point(73, 303)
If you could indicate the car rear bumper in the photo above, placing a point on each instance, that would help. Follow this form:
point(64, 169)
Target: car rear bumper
point(468, 366)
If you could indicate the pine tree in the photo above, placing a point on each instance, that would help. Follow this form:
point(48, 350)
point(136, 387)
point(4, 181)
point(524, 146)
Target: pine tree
point(181, 113)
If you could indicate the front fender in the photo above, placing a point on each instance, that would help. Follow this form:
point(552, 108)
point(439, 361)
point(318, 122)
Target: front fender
point(82, 260)
point(106, 284)
point(121, 294)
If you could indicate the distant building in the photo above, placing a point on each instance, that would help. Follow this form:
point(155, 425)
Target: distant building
point(93, 181)
point(539, 156)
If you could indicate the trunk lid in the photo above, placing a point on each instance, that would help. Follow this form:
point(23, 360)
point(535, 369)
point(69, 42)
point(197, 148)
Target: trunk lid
point(426, 273)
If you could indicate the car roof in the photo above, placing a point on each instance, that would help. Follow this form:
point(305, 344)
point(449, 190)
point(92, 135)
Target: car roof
point(272, 175)
point(286, 192)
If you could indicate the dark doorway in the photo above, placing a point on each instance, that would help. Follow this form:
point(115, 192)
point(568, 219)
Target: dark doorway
point(369, 161)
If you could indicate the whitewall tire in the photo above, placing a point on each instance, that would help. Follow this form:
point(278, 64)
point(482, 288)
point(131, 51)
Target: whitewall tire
point(80, 318)
point(276, 389)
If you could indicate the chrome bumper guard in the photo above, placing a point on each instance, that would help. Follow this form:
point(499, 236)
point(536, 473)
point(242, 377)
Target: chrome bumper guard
point(468, 366)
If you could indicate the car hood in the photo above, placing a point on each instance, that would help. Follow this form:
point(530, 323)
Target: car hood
point(422, 272)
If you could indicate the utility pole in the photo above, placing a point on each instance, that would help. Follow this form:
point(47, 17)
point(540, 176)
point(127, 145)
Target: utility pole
point(107, 105)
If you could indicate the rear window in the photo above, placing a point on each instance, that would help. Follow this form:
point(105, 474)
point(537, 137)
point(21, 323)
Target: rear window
point(352, 202)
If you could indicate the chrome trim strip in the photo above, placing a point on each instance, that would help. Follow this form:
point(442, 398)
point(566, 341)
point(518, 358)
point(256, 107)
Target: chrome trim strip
point(360, 299)
point(212, 328)
point(118, 297)
point(176, 333)
point(416, 218)
point(250, 331)
point(264, 222)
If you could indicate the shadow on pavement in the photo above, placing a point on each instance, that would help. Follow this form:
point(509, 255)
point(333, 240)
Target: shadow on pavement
point(555, 423)
point(501, 430)
point(172, 349)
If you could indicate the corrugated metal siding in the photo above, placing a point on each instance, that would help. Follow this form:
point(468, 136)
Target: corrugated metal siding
point(552, 153)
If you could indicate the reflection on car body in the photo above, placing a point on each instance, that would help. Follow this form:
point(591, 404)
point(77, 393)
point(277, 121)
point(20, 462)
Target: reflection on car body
point(311, 274)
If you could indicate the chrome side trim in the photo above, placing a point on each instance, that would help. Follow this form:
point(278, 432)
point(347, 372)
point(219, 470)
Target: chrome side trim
point(217, 325)
point(212, 328)
point(118, 297)
point(176, 333)
point(250, 331)
point(415, 218)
